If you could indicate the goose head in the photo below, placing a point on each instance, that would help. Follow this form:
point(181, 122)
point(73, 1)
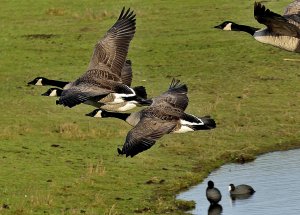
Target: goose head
point(226, 26)
point(98, 113)
point(53, 92)
point(37, 81)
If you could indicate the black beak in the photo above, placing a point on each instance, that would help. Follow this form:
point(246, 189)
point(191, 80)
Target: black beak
point(30, 83)
point(218, 26)
point(44, 94)
point(90, 114)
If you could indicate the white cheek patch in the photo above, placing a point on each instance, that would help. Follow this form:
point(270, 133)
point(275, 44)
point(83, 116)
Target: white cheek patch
point(53, 93)
point(227, 27)
point(229, 188)
point(98, 114)
point(39, 82)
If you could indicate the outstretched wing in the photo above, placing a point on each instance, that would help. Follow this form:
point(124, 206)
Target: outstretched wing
point(81, 93)
point(126, 73)
point(274, 21)
point(144, 135)
point(175, 96)
point(112, 49)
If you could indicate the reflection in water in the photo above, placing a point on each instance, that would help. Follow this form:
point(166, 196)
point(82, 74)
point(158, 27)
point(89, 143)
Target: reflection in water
point(240, 197)
point(274, 176)
point(215, 209)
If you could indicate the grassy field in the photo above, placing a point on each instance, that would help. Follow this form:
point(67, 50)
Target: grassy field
point(54, 160)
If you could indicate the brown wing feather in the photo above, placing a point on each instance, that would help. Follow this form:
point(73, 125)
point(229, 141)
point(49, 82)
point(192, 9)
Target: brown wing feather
point(112, 49)
point(144, 135)
point(275, 22)
point(81, 93)
point(126, 73)
point(176, 96)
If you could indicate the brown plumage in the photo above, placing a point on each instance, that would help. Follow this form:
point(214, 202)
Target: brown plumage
point(164, 116)
point(104, 70)
point(287, 24)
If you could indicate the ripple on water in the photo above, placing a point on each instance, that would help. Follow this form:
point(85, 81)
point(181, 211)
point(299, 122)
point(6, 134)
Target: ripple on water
point(274, 176)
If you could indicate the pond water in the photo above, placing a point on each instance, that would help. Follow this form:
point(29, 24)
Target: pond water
point(274, 176)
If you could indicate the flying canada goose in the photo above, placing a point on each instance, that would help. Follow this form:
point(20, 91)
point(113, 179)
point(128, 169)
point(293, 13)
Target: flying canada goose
point(107, 103)
point(165, 115)
point(133, 118)
point(103, 104)
point(104, 71)
point(213, 194)
point(126, 76)
point(281, 31)
point(241, 189)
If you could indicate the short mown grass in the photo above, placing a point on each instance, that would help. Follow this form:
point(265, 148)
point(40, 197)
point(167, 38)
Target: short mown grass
point(54, 160)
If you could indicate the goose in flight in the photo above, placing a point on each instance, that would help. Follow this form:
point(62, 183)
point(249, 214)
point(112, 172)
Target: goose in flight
point(103, 76)
point(282, 31)
point(165, 115)
point(106, 103)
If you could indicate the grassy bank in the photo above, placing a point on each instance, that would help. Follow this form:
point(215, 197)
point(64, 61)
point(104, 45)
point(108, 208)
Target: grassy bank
point(54, 160)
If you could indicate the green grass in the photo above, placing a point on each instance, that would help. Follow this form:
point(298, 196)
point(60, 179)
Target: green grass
point(54, 160)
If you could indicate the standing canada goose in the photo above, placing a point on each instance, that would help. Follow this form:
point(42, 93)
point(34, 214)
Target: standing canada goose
point(213, 194)
point(241, 189)
point(104, 71)
point(165, 115)
point(281, 31)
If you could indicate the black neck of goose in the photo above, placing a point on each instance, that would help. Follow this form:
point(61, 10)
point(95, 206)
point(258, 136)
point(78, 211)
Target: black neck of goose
point(122, 116)
point(58, 92)
point(56, 83)
point(245, 28)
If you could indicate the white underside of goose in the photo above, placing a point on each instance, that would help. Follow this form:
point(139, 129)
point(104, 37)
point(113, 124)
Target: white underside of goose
point(127, 106)
point(184, 122)
point(183, 129)
point(118, 97)
point(185, 126)
point(285, 42)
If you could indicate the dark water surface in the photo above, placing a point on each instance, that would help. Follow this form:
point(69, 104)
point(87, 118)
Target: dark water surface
point(274, 176)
